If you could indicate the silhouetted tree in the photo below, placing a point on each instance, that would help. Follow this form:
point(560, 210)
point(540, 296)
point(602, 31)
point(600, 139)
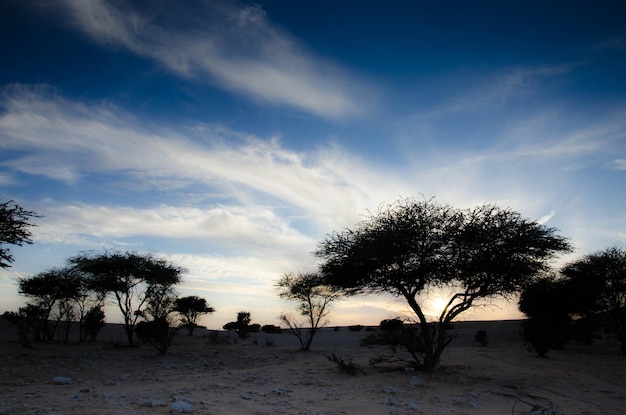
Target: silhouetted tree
point(314, 297)
point(158, 332)
point(547, 304)
point(132, 279)
point(60, 289)
point(191, 308)
point(14, 229)
point(601, 278)
point(413, 246)
point(242, 326)
point(92, 323)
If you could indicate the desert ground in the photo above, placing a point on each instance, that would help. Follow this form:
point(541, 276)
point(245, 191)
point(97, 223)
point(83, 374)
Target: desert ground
point(265, 374)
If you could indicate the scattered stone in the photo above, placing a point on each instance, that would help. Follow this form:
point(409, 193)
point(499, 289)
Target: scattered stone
point(392, 402)
point(392, 390)
point(414, 406)
point(182, 407)
point(61, 380)
point(416, 381)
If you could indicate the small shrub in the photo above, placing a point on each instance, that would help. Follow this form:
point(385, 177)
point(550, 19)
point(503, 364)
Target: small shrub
point(357, 327)
point(346, 367)
point(157, 332)
point(481, 337)
point(336, 328)
point(270, 329)
point(20, 321)
point(254, 328)
point(217, 337)
point(92, 323)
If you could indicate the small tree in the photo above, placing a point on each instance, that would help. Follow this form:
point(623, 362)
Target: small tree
point(132, 279)
point(242, 326)
point(314, 297)
point(14, 229)
point(412, 247)
point(190, 309)
point(601, 277)
point(92, 323)
point(546, 303)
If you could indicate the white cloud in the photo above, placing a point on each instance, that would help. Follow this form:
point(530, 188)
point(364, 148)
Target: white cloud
point(237, 48)
point(66, 140)
point(619, 164)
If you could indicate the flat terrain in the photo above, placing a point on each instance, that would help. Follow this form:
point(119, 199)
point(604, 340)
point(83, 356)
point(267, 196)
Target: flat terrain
point(267, 375)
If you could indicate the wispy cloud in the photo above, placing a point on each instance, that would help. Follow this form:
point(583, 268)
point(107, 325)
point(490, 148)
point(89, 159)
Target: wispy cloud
point(493, 91)
point(615, 43)
point(619, 164)
point(67, 140)
point(233, 47)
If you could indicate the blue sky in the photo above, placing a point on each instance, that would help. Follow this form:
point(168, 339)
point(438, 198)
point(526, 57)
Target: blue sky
point(231, 137)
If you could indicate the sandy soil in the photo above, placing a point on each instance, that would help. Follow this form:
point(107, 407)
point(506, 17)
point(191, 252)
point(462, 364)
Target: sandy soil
point(257, 377)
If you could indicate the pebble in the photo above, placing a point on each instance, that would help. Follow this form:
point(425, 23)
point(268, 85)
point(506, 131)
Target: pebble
point(61, 380)
point(182, 407)
point(416, 381)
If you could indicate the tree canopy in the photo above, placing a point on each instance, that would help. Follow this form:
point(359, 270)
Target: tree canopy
point(191, 308)
point(602, 277)
point(14, 229)
point(134, 280)
point(313, 296)
point(413, 246)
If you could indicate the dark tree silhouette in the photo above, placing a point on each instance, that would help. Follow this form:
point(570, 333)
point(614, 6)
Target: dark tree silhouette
point(314, 297)
point(14, 229)
point(548, 304)
point(92, 323)
point(191, 308)
point(413, 246)
point(60, 289)
point(601, 277)
point(242, 326)
point(132, 279)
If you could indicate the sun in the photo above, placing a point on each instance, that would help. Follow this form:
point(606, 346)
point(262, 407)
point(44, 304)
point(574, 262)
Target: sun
point(438, 304)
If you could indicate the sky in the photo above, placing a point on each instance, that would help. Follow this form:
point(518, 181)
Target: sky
point(231, 137)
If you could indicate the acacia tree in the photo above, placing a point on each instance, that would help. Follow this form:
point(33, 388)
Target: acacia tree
point(14, 229)
point(60, 289)
point(602, 277)
point(548, 305)
point(313, 296)
point(242, 326)
point(411, 247)
point(191, 308)
point(132, 279)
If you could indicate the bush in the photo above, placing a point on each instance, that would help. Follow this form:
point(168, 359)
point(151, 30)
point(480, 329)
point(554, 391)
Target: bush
point(481, 337)
point(396, 335)
point(345, 367)
point(20, 321)
point(270, 329)
point(157, 332)
point(93, 323)
point(357, 327)
point(242, 326)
